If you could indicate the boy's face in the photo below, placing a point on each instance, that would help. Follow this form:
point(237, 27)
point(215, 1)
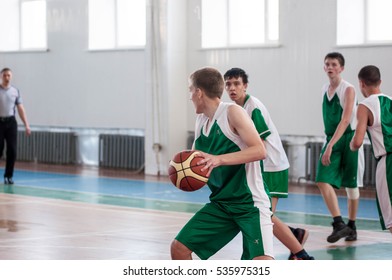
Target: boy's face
point(236, 89)
point(332, 67)
point(194, 95)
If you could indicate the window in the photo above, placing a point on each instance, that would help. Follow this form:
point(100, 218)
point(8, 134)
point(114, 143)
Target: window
point(364, 22)
point(23, 25)
point(237, 23)
point(117, 24)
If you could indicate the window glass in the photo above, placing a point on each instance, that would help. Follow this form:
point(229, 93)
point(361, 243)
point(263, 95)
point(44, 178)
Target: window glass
point(23, 25)
point(363, 22)
point(232, 23)
point(117, 24)
point(33, 22)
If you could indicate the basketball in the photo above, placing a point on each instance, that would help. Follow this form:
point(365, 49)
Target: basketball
point(184, 172)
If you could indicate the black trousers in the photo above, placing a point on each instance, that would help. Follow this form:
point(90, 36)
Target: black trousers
point(8, 135)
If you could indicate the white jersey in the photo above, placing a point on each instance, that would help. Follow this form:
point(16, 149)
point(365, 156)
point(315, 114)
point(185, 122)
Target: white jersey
point(380, 132)
point(276, 156)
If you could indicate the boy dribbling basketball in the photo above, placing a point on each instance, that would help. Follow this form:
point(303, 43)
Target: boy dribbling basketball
point(231, 149)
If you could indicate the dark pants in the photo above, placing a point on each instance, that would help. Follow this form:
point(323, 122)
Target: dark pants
point(8, 135)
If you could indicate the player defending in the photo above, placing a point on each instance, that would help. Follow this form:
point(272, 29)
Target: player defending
point(276, 165)
point(338, 165)
point(375, 115)
point(231, 148)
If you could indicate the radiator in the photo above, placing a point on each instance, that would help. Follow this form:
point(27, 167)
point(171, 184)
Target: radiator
point(313, 150)
point(47, 147)
point(25, 147)
point(369, 178)
point(55, 147)
point(121, 151)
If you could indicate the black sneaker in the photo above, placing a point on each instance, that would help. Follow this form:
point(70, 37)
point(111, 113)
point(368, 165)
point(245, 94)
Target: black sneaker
point(8, 181)
point(301, 235)
point(352, 236)
point(307, 258)
point(340, 230)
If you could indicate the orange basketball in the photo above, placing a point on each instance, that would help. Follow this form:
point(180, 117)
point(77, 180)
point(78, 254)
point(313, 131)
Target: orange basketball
point(184, 172)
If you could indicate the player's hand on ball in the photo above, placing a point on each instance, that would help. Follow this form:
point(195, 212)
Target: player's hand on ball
point(209, 161)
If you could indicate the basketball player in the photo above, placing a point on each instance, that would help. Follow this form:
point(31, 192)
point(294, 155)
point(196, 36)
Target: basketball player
point(375, 115)
point(339, 166)
point(276, 165)
point(231, 149)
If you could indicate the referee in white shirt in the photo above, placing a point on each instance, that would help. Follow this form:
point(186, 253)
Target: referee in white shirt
point(9, 100)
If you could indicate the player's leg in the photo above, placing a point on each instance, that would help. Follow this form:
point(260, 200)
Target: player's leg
point(294, 243)
point(384, 191)
point(257, 233)
point(209, 230)
point(352, 179)
point(292, 238)
point(328, 178)
point(179, 251)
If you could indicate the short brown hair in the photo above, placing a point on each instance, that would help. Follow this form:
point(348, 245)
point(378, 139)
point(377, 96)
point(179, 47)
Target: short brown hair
point(370, 75)
point(210, 80)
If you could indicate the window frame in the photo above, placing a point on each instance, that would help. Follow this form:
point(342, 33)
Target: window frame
point(365, 32)
point(20, 48)
point(267, 42)
point(116, 46)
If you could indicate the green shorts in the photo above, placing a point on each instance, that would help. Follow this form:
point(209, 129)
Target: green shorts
point(343, 170)
point(215, 225)
point(277, 182)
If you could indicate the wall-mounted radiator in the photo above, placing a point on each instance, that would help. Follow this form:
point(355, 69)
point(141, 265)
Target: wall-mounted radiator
point(121, 151)
point(369, 178)
point(47, 147)
point(313, 150)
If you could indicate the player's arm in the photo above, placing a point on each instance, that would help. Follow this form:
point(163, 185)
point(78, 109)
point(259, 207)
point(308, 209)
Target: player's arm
point(342, 126)
point(363, 119)
point(242, 125)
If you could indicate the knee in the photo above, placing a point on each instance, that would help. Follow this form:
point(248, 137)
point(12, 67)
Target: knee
point(179, 251)
point(352, 193)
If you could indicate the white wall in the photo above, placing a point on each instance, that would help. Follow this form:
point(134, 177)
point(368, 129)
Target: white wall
point(73, 87)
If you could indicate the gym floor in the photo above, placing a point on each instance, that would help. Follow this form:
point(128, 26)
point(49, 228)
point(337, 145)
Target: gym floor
point(87, 213)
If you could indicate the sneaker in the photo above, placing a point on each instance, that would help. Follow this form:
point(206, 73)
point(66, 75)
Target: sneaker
point(301, 235)
point(308, 258)
point(340, 230)
point(352, 236)
point(8, 181)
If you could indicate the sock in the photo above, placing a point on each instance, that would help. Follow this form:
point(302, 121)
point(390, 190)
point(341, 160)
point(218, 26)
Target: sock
point(351, 224)
point(302, 254)
point(338, 219)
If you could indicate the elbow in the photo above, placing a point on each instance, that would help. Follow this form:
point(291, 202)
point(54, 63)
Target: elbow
point(355, 144)
point(262, 153)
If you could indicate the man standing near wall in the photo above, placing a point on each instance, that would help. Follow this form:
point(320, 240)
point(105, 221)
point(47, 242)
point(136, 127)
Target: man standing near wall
point(9, 100)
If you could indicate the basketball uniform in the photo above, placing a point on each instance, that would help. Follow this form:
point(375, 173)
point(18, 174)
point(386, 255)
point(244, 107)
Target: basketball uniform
point(276, 164)
point(380, 134)
point(346, 168)
point(238, 201)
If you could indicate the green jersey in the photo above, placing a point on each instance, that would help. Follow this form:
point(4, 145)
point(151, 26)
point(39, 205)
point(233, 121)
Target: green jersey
point(333, 108)
point(240, 185)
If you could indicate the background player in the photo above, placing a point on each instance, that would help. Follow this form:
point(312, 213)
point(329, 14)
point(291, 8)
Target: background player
point(276, 165)
point(375, 115)
point(338, 165)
